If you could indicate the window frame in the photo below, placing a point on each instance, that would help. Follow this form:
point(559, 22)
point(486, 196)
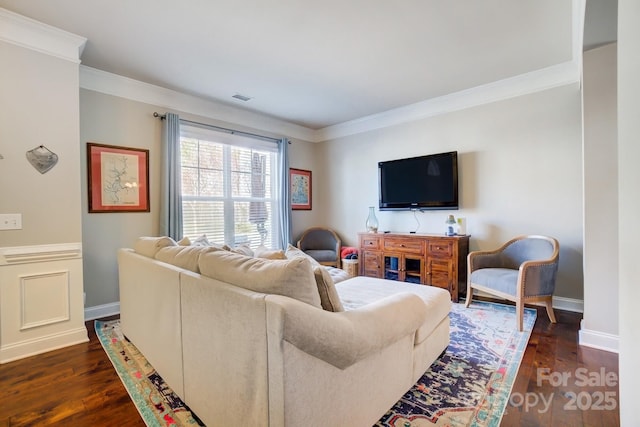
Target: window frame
point(228, 199)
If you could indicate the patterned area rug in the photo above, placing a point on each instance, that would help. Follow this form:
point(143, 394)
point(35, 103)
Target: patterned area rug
point(469, 385)
point(157, 403)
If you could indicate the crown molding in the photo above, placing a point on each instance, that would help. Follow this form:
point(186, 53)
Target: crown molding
point(28, 33)
point(535, 81)
point(124, 87)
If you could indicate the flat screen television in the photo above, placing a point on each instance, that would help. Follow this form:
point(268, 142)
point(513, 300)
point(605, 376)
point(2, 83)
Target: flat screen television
point(420, 183)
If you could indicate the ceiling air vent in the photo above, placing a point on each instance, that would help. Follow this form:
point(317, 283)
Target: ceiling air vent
point(241, 97)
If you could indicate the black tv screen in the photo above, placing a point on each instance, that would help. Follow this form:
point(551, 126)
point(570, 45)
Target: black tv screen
point(423, 183)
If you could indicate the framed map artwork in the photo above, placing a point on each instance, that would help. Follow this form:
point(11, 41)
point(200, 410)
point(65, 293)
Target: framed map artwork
point(300, 181)
point(118, 178)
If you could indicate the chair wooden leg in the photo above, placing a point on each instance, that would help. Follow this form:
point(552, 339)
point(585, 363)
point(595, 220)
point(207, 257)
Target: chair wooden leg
point(549, 304)
point(469, 296)
point(519, 314)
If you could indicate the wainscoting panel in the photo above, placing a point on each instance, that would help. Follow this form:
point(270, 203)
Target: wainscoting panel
point(41, 299)
point(44, 299)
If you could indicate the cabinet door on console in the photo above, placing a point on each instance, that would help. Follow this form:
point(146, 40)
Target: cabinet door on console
point(441, 265)
point(404, 267)
point(370, 256)
point(440, 272)
point(371, 264)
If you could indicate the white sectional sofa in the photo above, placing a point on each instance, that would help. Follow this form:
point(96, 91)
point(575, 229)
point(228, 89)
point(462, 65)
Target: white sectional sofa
point(221, 330)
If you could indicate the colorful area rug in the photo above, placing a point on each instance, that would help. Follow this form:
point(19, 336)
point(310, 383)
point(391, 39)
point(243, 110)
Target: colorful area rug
point(157, 404)
point(469, 385)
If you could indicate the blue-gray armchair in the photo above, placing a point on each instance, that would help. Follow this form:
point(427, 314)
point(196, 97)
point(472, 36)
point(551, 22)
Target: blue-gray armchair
point(523, 270)
point(321, 244)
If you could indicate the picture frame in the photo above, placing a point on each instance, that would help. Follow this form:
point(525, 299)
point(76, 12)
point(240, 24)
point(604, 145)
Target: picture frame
point(301, 189)
point(118, 178)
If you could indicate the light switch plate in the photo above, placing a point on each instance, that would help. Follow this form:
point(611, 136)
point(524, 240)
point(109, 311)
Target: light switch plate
point(10, 221)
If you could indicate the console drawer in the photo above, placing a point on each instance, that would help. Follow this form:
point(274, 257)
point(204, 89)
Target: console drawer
point(440, 248)
point(369, 242)
point(404, 245)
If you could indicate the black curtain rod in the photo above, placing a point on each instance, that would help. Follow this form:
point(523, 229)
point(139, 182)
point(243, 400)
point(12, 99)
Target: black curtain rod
point(231, 131)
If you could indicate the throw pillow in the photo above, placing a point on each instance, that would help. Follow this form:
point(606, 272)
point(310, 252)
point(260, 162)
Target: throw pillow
point(263, 252)
point(326, 287)
point(243, 249)
point(293, 278)
point(201, 241)
point(184, 256)
point(149, 246)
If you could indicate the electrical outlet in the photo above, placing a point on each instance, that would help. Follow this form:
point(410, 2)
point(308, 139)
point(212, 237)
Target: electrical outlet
point(10, 221)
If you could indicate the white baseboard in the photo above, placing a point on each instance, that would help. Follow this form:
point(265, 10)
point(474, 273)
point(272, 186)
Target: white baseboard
point(43, 344)
point(104, 310)
point(560, 303)
point(568, 304)
point(599, 340)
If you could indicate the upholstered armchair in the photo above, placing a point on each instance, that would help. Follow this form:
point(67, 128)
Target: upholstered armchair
point(322, 244)
point(523, 270)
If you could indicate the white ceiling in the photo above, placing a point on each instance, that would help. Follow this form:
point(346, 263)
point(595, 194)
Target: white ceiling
point(315, 63)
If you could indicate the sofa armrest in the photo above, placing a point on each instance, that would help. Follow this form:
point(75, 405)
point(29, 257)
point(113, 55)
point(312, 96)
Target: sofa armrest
point(344, 338)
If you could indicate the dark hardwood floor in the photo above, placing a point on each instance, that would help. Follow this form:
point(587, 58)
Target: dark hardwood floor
point(561, 383)
point(77, 386)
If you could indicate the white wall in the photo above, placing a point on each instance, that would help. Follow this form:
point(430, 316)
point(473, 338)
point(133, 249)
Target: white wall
point(306, 156)
point(520, 163)
point(39, 104)
point(111, 120)
point(629, 205)
point(599, 327)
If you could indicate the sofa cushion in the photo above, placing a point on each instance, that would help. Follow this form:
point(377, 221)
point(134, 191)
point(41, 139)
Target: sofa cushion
point(264, 252)
point(184, 256)
point(359, 291)
point(326, 287)
point(291, 277)
point(149, 246)
point(337, 274)
point(501, 279)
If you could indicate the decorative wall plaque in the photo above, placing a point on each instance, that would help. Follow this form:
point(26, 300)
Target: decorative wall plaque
point(42, 159)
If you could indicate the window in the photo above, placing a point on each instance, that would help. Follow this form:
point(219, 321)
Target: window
point(229, 188)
